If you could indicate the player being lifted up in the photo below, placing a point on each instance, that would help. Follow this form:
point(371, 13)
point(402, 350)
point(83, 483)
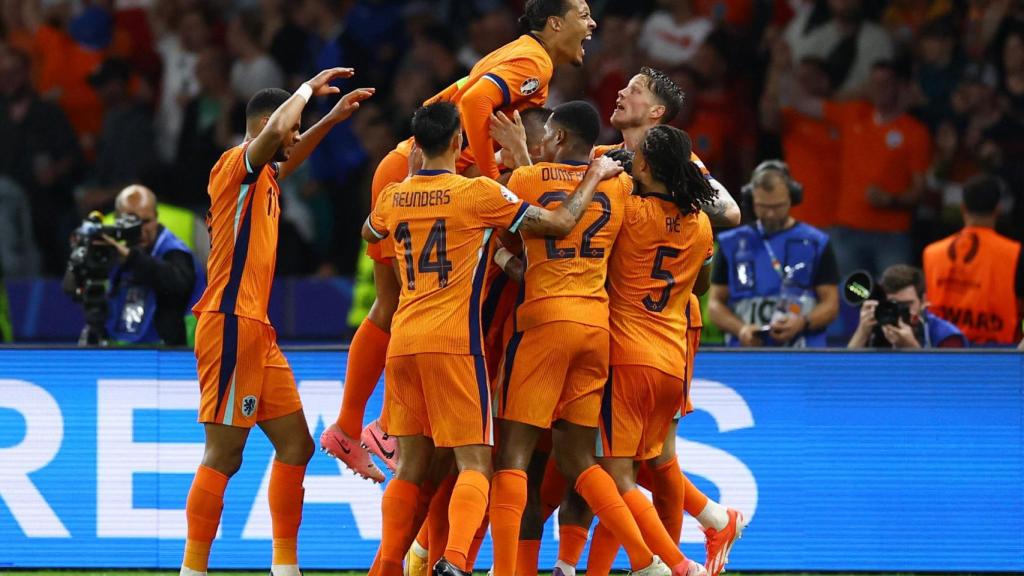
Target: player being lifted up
point(244, 378)
point(513, 77)
point(440, 225)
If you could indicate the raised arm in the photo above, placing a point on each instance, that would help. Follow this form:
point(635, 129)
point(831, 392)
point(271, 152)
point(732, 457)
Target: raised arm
point(510, 134)
point(311, 138)
point(562, 220)
point(288, 116)
point(723, 211)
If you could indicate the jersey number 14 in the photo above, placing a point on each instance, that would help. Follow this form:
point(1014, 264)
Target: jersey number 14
point(437, 244)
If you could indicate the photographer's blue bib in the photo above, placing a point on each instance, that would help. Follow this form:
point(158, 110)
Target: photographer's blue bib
point(773, 272)
point(133, 307)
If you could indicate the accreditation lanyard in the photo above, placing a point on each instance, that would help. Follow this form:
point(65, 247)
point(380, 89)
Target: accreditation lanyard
point(776, 264)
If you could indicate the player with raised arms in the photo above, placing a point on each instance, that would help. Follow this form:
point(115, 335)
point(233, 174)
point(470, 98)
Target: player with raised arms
point(440, 224)
point(244, 379)
point(513, 77)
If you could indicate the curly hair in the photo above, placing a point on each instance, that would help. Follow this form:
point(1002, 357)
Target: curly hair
point(667, 151)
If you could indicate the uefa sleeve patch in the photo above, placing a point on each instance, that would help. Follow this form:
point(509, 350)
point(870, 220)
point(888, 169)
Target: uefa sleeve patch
point(509, 195)
point(529, 86)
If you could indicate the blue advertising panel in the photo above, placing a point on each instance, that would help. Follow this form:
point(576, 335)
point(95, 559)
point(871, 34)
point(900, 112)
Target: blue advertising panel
point(842, 461)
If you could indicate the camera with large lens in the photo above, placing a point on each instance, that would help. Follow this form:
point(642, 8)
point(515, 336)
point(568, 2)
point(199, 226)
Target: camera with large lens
point(92, 260)
point(859, 287)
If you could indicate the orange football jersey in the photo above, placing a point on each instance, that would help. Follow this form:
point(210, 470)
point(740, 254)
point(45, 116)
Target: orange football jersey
point(441, 226)
point(565, 278)
point(243, 217)
point(651, 274)
point(522, 71)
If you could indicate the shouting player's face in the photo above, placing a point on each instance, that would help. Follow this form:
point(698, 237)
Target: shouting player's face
point(634, 105)
point(577, 27)
point(285, 151)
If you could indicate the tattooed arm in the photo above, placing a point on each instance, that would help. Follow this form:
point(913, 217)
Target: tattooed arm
point(723, 211)
point(562, 220)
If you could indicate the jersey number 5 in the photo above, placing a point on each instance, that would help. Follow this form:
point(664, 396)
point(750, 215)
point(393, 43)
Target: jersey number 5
point(436, 243)
point(586, 250)
point(659, 273)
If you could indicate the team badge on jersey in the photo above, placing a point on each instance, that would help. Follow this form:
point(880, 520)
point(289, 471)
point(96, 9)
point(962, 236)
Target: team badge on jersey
point(529, 86)
point(509, 195)
point(249, 406)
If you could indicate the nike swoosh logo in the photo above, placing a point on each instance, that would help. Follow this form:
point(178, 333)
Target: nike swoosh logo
point(387, 455)
point(344, 448)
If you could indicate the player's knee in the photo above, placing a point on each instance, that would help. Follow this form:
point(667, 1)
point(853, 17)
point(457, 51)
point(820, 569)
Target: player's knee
point(227, 462)
point(381, 314)
point(297, 452)
point(476, 458)
point(571, 463)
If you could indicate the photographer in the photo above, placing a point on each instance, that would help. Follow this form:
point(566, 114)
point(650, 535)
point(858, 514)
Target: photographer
point(774, 282)
point(153, 281)
point(907, 324)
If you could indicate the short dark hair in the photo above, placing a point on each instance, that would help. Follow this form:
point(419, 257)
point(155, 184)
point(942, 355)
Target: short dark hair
point(665, 91)
point(433, 127)
point(535, 114)
point(982, 194)
point(264, 102)
point(899, 276)
point(536, 13)
point(580, 119)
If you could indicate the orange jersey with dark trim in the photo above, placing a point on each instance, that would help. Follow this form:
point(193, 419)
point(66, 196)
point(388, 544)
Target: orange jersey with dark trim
point(565, 278)
point(243, 217)
point(441, 226)
point(694, 320)
point(521, 70)
point(651, 274)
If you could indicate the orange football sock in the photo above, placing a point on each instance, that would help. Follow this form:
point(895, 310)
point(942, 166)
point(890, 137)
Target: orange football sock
point(527, 557)
point(652, 529)
point(478, 541)
point(375, 565)
point(603, 549)
point(465, 513)
point(598, 489)
point(398, 509)
point(286, 493)
point(508, 501)
point(694, 501)
point(571, 541)
point(202, 512)
point(668, 491)
point(437, 519)
point(552, 489)
point(366, 357)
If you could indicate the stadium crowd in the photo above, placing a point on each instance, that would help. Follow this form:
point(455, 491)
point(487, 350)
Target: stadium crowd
point(883, 110)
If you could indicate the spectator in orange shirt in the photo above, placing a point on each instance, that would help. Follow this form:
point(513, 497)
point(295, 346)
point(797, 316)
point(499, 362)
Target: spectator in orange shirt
point(810, 145)
point(883, 156)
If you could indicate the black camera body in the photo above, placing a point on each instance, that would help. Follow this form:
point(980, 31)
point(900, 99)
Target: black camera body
point(89, 267)
point(859, 286)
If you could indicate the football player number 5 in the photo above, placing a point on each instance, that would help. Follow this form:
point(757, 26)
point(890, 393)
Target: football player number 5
point(436, 245)
point(659, 273)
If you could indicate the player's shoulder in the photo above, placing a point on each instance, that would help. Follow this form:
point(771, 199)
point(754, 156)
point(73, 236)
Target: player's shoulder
point(602, 149)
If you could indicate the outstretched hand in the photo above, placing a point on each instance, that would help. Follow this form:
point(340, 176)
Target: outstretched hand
point(349, 103)
point(321, 83)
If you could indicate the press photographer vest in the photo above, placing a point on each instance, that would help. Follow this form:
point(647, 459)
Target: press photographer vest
point(133, 307)
point(756, 284)
point(971, 282)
